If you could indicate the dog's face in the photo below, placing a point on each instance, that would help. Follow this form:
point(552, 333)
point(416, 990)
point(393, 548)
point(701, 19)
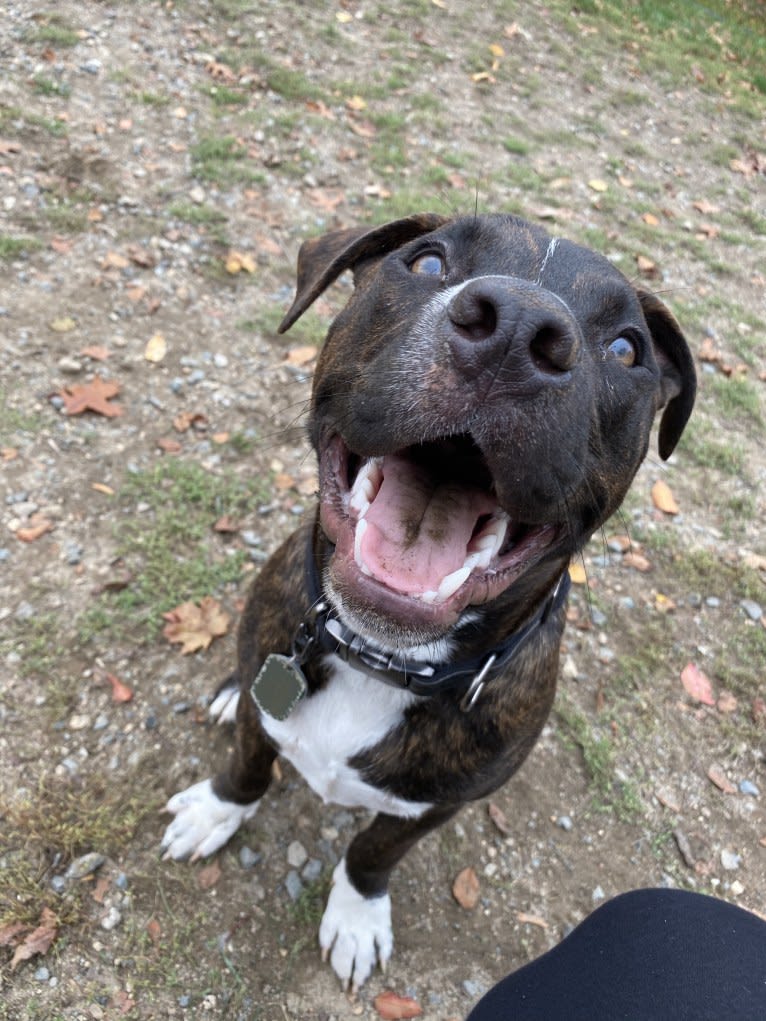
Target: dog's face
point(480, 407)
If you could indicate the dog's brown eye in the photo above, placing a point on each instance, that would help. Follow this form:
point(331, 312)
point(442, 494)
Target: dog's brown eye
point(429, 265)
point(624, 350)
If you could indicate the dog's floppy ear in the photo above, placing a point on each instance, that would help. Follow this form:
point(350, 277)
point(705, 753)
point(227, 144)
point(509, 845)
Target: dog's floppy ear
point(678, 385)
point(321, 260)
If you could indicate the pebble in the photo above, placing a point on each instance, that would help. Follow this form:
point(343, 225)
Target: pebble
point(58, 884)
point(564, 822)
point(111, 919)
point(598, 618)
point(730, 860)
point(80, 721)
point(713, 602)
point(84, 865)
point(597, 895)
point(42, 975)
point(748, 787)
point(293, 885)
point(5, 555)
point(312, 870)
point(73, 552)
point(248, 857)
point(473, 989)
point(68, 365)
point(752, 609)
point(297, 855)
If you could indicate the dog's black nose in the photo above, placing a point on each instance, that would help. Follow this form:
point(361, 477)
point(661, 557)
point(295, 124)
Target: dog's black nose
point(514, 328)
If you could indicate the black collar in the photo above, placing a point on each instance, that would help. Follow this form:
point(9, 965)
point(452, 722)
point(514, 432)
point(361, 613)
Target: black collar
point(322, 628)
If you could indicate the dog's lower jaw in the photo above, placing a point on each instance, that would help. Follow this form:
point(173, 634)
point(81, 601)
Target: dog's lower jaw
point(355, 932)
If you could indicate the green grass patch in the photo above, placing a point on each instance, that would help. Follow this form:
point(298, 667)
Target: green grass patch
point(49, 825)
point(736, 398)
point(610, 793)
point(166, 541)
point(55, 33)
point(221, 95)
point(45, 86)
point(195, 213)
point(222, 160)
point(727, 456)
point(12, 247)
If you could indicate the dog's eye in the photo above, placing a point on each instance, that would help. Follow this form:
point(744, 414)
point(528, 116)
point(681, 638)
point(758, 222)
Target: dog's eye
point(430, 264)
point(624, 350)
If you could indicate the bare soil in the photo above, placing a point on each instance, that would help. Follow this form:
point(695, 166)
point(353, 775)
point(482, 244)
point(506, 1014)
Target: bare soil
point(140, 146)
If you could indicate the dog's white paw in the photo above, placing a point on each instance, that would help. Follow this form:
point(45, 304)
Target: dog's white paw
point(203, 822)
point(355, 931)
point(223, 708)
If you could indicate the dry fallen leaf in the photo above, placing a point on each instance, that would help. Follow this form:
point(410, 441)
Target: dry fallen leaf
point(97, 352)
point(465, 888)
point(156, 348)
point(393, 1007)
point(209, 875)
point(92, 396)
point(646, 267)
point(36, 526)
point(120, 691)
point(194, 627)
point(596, 184)
point(238, 261)
point(717, 776)
point(637, 561)
point(38, 941)
point(497, 816)
point(577, 574)
point(526, 919)
point(301, 356)
point(663, 498)
point(154, 930)
point(697, 684)
point(62, 324)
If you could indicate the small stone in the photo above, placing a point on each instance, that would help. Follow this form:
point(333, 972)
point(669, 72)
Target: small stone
point(85, 865)
point(597, 617)
point(296, 855)
point(101, 722)
point(748, 787)
point(58, 884)
point(564, 822)
point(121, 881)
point(569, 669)
point(597, 895)
point(474, 989)
point(312, 870)
point(220, 360)
point(737, 888)
point(197, 194)
point(80, 721)
point(713, 602)
point(92, 66)
point(730, 860)
point(293, 885)
point(752, 609)
point(73, 552)
point(250, 538)
point(248, 858)
point(184, 1001)
point(42, 975)
point(111, 919)
point(68, 365)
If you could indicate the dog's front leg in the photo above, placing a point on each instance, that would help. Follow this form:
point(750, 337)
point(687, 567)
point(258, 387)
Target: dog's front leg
point(356, 925)
point(208, 813)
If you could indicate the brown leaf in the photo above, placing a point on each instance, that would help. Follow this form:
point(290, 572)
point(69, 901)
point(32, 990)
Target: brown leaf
point(697, 684)
point(577, 574)
point(7, 147)
point(637, 561)
point(717, 776)
point(465, 889)
point(301, 356)
point(187, 419)
point(726, 703)
point(497, 816)
point(154, 930)
point(101, 888)
point(194, 627)
point(8, 453)
point(36, 526)
point(97, 352)
point(209, 875)
point(705, 207)
point(526, 919)
point(114, 260)
point(93, 396)
point(10, 933)
point(646, 267)
point(169, 444)
point(393, 1007)
point(120, 692)
point(226, 524)
point(141, 256)
point(663, 498)
point(38, 941)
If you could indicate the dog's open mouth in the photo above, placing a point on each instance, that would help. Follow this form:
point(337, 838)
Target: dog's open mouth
point(419, 534)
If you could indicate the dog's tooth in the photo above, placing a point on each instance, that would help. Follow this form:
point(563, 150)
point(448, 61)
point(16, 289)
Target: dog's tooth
point(361, 528)
point(452, 583)
point(365, 486)
point(428, 597)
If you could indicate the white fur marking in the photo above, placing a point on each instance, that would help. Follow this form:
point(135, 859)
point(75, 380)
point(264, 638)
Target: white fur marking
point(548, 255)
point(355, 930)
point(352, 712)
point(203, 822)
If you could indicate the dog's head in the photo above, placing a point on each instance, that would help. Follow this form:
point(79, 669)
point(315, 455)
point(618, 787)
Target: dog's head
point(480, 407)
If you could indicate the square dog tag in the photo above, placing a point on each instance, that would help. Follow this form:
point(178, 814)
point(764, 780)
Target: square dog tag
point(279, 686)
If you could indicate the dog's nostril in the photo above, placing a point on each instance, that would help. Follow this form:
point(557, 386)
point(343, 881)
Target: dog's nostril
point(554, 349)
point(474, 316)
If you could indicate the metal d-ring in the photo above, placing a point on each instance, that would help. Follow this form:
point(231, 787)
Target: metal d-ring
point(471, 697)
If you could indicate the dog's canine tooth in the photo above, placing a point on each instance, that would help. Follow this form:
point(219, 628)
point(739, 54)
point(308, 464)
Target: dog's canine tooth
point(452, 583)
point(365, 486)
point(361, 528)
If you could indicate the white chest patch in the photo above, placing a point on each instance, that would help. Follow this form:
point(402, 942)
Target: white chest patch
point(351, 713)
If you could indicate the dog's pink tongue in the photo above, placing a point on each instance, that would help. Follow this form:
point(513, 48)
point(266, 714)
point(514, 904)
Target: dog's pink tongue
point(418, 530)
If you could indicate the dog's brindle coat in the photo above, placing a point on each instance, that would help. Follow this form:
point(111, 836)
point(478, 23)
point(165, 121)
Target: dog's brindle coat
point(487, 388)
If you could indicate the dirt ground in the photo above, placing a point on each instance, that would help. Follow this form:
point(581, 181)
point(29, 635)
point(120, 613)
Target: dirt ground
point(160, 164)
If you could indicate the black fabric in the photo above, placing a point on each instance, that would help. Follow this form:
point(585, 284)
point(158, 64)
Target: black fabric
point(649, 955)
